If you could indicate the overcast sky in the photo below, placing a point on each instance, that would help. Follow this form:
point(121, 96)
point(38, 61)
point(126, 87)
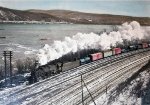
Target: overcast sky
point(119, 7)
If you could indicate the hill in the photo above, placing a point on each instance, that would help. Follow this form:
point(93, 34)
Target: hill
point(18, 15)
point(67, 16)
point(90, 18)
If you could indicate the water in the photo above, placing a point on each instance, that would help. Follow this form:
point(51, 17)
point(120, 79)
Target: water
point(25, 39)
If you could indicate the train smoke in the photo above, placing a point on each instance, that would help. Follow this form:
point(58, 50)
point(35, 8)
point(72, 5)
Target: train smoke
point(127, 31)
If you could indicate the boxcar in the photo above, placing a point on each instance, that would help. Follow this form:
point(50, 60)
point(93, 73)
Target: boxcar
point(145, 45)
point(82, 61)
point(70, 65)
point(87, 59)
point(116, 51)
point(124, 49)
point(96, 56)
point(108, 53)
point(132, 47)
point(139, 46)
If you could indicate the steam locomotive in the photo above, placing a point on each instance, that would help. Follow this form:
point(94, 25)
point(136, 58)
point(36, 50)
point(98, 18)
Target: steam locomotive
point(72, 60)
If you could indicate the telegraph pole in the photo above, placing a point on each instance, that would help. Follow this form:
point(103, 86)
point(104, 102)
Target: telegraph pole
point(10, 57)
point(8, 54)
point(33, 72)
point(5, 65)
point(82, 90)
point(83, 84)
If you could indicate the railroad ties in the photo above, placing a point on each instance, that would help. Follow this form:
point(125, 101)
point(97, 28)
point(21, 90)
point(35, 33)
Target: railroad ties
point(65, 88)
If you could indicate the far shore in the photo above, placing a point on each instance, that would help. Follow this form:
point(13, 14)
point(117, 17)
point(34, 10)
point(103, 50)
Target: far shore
point(33, 22)
point(43, 22)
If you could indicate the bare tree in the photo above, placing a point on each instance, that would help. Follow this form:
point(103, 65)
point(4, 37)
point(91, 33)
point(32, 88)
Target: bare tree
point(26, 65)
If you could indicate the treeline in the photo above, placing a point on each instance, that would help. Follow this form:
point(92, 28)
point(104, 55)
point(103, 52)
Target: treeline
point(20, 69)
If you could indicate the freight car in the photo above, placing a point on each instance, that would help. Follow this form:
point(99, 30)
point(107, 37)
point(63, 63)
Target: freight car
point(116, 51)
point(72, 60)
point(100, 55)
point(96, 56)
point(132, 47)
point(145, 45)
point(108, 53)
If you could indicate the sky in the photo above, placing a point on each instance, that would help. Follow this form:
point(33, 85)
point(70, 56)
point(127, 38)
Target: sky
point(119, 7)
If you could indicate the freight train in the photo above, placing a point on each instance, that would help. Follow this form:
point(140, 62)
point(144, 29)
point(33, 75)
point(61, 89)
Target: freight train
point(111, 52)
point(72, 60)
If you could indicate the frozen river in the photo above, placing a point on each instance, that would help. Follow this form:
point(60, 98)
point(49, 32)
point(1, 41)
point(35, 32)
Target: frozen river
point(25, 39)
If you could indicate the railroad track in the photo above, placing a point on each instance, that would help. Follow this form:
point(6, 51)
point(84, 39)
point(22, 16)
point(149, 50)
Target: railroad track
point(54, 98)
point(77, 93)
point(56, 85)
point(113, 80)
point(97, 74)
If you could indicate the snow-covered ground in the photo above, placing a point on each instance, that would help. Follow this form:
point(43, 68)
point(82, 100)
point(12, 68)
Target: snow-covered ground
point(135, 91)
point(19, 79)
point(65, 88)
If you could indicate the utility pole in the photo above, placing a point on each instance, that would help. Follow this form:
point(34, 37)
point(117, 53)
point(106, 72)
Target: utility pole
point(10, 57)
point(82, 81)
point(5, 65)
point(36, 64)
point(106, 89)
point(8, 54)
point(33, 72)
point(82, 90)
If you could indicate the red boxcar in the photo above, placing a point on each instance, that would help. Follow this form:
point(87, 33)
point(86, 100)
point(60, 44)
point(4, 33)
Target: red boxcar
point(145, 45)
point(116, 51)
point(96, 56)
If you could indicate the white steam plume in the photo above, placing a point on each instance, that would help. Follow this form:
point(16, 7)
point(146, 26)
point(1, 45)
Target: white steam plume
point(80, 41)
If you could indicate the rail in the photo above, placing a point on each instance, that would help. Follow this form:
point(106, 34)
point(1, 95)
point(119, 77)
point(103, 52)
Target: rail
point(65, 87)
